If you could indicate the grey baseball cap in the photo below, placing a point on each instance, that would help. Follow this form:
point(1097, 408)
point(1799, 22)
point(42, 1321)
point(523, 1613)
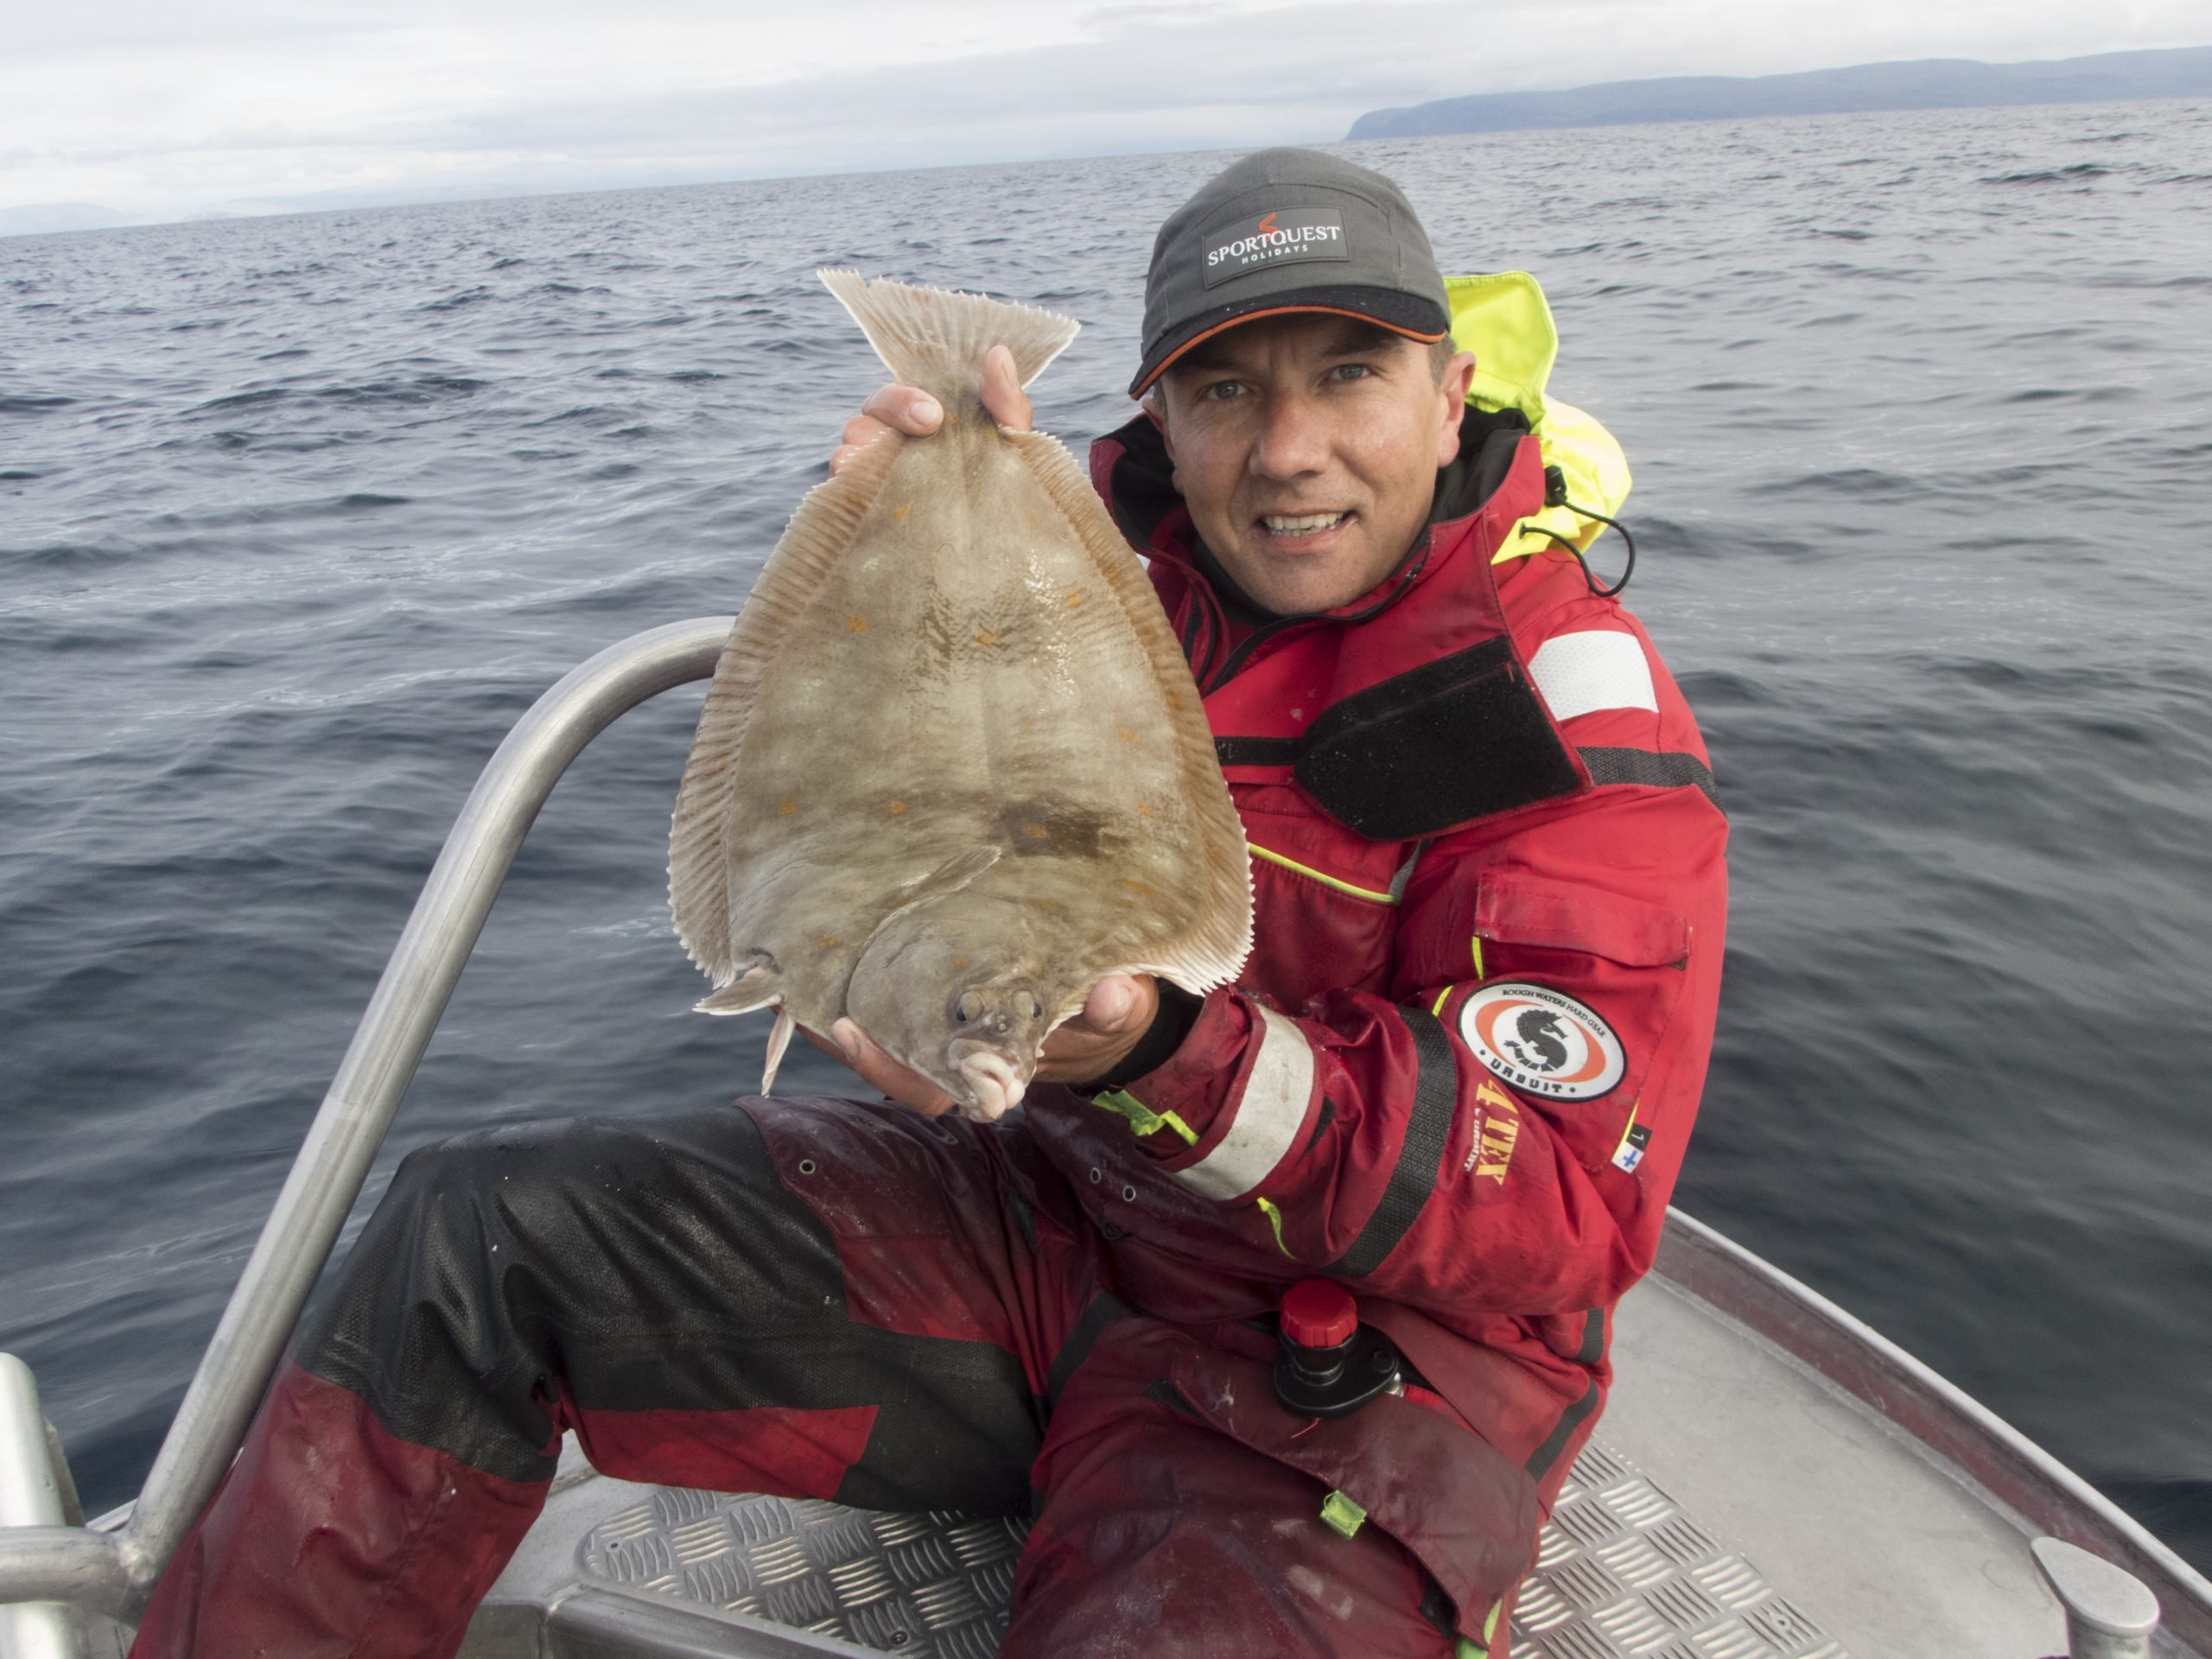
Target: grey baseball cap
point(1288, 229)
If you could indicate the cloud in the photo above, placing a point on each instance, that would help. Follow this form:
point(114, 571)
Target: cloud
point(255, 103)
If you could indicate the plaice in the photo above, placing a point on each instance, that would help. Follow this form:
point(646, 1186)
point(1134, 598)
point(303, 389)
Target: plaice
point(952, 769)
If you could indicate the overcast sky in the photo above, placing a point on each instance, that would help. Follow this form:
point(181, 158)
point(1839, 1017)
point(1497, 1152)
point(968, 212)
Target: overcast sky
point(160, 110)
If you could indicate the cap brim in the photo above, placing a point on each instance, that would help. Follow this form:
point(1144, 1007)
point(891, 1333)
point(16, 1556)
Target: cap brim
point(1401, 314)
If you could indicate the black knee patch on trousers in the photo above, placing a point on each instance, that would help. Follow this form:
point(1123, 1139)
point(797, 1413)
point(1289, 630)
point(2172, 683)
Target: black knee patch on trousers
point(641, 1265)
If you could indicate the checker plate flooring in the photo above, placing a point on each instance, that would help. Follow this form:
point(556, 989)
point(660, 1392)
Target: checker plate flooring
point(1621, 1573)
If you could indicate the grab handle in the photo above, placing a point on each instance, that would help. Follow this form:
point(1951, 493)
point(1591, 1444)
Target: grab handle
point(2110, 1612)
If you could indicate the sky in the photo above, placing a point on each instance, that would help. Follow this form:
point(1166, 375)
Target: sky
point(157, 110)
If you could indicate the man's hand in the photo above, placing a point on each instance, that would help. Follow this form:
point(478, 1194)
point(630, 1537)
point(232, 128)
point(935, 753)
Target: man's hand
point(857, 1049)
point(914, 412)
point(1114, 1018)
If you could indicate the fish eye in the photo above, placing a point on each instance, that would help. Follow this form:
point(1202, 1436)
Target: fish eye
point(1036, 1009)
point(969, 1007)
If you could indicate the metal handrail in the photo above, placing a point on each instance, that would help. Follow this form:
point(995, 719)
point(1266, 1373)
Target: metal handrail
point(31, 1495)
point(113, 1573)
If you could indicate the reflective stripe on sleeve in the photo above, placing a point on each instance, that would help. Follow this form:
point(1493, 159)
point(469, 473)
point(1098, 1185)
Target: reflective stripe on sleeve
point(1428, 1127)
point(1267, 1115)
point(1581, 673)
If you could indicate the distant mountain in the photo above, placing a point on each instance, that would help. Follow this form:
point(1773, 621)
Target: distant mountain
point(58, 216)
point(1927, 84)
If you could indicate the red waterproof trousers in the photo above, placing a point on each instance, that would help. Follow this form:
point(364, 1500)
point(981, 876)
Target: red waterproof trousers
point(812, 1298)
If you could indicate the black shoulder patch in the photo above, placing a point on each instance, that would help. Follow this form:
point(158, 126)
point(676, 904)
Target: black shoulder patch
point(1459, 739)
point(1663, 768)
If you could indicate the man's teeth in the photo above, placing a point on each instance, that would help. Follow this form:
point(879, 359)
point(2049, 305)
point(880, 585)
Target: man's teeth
point(1300, 523)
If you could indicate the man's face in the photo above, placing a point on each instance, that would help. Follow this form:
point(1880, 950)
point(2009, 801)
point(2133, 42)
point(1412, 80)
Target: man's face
point(1307, 447)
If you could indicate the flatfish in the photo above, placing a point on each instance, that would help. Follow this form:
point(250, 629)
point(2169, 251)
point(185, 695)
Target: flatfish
point(952, 770)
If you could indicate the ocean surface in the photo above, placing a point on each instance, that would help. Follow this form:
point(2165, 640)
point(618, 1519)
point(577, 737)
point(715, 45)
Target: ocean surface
point(297, 516)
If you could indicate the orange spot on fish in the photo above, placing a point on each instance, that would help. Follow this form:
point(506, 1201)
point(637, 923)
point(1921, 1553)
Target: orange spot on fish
point(1035, 831)
point(897, 806)
point(1127, 735)
point(785, 809)
point(828, 939)
point(985, 636)
point(1075, 601)
point(1136, 886)
point(902, 510)
point(960, 962)
point(1144, 809)
point(857, 623)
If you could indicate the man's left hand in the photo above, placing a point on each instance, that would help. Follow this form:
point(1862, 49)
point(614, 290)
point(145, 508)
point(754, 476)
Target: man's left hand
point(1114, 1018)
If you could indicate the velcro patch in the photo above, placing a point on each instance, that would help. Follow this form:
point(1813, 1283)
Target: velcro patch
point(1542, 1041)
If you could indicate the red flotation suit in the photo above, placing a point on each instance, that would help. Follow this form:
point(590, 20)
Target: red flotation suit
point(1463, 1064)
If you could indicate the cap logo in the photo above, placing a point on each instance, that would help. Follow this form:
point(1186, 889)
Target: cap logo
point(1245, 245)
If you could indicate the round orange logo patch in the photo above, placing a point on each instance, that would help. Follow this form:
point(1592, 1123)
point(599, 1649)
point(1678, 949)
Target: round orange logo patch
point(1541, 1042)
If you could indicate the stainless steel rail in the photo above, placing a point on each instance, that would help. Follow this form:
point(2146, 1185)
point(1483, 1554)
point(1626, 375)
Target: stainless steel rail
point(30, 1496)
point(113, 1573)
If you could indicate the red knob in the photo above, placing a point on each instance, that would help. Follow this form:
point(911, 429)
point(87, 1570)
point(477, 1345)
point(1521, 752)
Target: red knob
point(1318, 1313)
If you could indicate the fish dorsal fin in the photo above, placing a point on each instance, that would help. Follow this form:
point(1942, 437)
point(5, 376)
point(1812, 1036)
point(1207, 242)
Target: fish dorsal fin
point(934, 339)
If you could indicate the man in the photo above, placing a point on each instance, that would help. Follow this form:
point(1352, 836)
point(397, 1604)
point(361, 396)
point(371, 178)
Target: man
point(1457, 1078)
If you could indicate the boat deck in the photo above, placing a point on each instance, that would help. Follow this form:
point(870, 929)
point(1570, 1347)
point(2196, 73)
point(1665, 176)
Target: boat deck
point(1890, 1551)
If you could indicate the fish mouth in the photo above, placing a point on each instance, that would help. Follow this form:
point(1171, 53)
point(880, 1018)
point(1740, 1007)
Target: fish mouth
point(995, 1083)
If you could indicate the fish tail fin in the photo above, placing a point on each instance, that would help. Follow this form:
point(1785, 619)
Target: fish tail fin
point(935, 339)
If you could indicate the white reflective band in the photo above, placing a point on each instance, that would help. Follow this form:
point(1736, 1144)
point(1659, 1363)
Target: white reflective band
point(1581, 673)
point(1267, 1118)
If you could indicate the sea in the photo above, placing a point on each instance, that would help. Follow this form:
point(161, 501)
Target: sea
point(298, 515)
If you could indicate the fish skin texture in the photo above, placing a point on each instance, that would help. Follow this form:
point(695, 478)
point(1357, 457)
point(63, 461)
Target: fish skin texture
point(951, 746)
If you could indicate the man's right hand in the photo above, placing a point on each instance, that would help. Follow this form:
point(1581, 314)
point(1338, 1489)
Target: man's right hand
point(914, 412)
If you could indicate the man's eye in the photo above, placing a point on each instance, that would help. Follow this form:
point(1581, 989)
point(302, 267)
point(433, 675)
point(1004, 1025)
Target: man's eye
point(1221, 392)
point(1351, 371)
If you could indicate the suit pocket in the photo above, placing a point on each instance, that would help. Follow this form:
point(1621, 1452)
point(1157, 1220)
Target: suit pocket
point(1578, 987)
point(1465, 1509)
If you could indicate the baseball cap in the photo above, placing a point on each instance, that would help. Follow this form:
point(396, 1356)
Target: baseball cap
point(1288, 229)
